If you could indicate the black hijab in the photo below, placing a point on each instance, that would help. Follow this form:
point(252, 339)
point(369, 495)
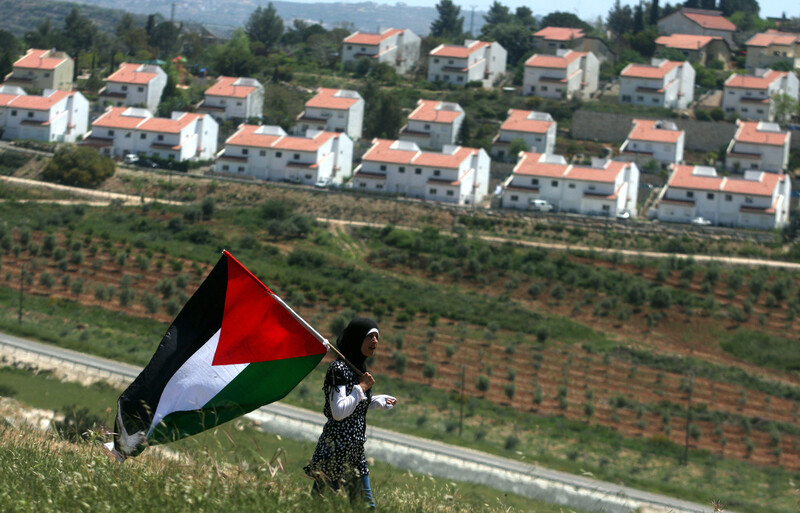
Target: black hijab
point(349, 342)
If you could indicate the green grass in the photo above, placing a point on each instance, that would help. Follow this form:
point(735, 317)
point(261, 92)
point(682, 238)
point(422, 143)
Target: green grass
point(229, 468)
point(763, 350)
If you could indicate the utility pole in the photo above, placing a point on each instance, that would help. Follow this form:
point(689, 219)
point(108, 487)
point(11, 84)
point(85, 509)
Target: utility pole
point(21, 287)
point(688, 418)
point(461, 403)
point(472, 21)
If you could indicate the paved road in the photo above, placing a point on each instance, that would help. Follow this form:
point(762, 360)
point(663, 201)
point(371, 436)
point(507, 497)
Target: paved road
point(750, 262)
point(413, 453)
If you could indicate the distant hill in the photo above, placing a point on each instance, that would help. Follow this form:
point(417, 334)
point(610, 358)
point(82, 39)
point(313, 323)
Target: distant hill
point(19, 16)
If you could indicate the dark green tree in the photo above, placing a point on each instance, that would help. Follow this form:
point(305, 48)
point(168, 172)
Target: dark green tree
point(164, 39)
point(524, 15)
point(449, 25)
point(80, 166)
point(44, 36)
point(79, 33)
point(265, 26)
point(638, 18)
point(619, 19)
point(130, 38)
point(514, 37)
point(497, 14)
point(708, 4)
point(654, 13)
point(564, 19)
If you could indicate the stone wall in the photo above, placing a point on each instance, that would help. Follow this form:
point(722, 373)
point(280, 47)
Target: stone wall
point(614, 128)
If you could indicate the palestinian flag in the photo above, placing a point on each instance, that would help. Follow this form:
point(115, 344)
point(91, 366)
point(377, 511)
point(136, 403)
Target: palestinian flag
point(234, 347)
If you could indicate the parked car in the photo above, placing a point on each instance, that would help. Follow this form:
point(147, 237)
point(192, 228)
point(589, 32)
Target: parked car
point(623, 215)
point(701, 221)
point(130, 158)
point(146, 163)
point(323, 182)
point(540, 205)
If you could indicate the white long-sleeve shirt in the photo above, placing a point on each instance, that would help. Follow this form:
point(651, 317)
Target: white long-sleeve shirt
point(343, 405)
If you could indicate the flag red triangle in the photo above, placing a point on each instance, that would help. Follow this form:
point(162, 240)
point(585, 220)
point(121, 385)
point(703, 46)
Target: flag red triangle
point(256, 327)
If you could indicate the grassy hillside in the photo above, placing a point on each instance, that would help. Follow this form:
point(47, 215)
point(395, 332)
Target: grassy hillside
point(20, 16)
point(577, 360)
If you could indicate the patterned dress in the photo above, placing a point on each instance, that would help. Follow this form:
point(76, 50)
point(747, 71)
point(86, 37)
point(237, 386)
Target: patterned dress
point(340, 450)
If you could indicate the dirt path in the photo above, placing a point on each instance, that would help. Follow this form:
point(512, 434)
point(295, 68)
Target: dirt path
point(100, 197)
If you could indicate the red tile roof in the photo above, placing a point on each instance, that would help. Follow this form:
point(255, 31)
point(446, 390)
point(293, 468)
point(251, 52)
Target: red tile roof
point(753, 132)
point(327, 98)
point(252, 135)
point(227, 86)
point(519, 121)
point(559, 33)
point(121, 117)
point(683, 177)
point(530, 165)
point(168, 125)
point(38, 102)
point(553, 61)
point(634, 70)
point(645, 130)
point(458, 51)
point(533, 164)
point(686, 41)
point(431, 111)
point(130, 73)
point(382, 151)
point(709, 20)
point(370, 38)
point(754, 81)
point(773, 37)
point(40, 59)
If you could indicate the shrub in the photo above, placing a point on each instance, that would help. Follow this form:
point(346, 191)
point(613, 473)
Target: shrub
point(151, 303)
point(400, 362)
point(482, 384)
point(510, 390)
point(429, 370)
point(81, 166)
point(47, 280)
point(511, 443)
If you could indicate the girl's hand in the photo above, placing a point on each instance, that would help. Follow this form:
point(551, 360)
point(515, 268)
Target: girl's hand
point(366, 381)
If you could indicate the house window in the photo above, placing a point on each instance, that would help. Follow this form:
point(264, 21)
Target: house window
point(296, 156)
point(572, 186)
point(544, 88)
point(160, 137)
point(436, 172)
point(533, 89)
point(140, 89)
point(46, 75)
point(432, 192)
point(127, 135)
point(13, 113)
point(728, 197)
point(534, 181)
point(626, 98)
point(690, 194)
point(710, 196)
point(124, 88)
point(225, 167)
point(238, 104)
point(450, 61)
point(436, 61)
point(362, 185)
point(640, 98)
point(30, 114)
point(605, 208)
point(449, 193)
point(514, 198)
point(245, 151)
point(278, 154)
point(418, 171)
point(748, 199)
point(262, 153)
point(349, 47)
point(240, 169)
point(142, 136)
point(383, 167)
point(110, 133)
point(308, 177)
point(554, 183)
point(401, 169)
point(427, 126)
point(379, 186)
point(459, 78)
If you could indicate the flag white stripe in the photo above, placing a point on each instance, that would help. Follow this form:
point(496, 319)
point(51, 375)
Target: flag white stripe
point(196, 382)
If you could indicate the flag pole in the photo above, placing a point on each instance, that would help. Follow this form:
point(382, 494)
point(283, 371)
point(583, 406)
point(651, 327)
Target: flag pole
point(316, 334)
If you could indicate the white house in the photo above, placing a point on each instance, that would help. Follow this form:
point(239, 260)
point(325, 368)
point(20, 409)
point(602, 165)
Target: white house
point(396, 47)
point(268, 153)
point(605, 188)
point(55, 116)
point(663, 83)
point(564, 75)
point(651, 139)
point(134, 85)
point(184, 136)
point(233, 98)
point(433, 124)
point(755, 200)
point(751, 96)
point(772, 46)
point(536, 129)
point(759, 145)
point(698, 22)
point(42, 69)
point(455, 175)
point(702, 49)
point(474, 61)
point(334, 110)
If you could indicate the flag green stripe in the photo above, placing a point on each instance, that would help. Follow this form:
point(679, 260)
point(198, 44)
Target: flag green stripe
point(258, 384)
